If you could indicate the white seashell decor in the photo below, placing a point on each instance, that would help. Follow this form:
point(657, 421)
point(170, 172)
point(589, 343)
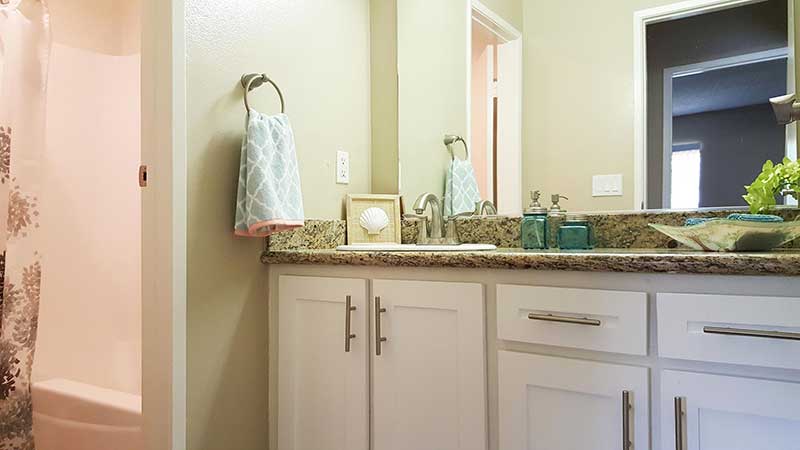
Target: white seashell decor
point(374, 220)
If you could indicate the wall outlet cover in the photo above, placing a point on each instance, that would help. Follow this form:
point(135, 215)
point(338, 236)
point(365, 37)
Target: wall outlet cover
point(342, 167)
point(607, 185)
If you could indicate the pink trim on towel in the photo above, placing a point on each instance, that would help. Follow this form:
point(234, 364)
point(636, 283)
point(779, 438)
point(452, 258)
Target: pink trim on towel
point(268, 227)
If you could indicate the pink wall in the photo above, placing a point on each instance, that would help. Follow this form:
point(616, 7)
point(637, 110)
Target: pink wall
point(481, 40)
point(90, 320)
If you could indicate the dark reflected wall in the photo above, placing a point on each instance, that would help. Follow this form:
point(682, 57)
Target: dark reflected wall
point(736, 142)
point(747, 29)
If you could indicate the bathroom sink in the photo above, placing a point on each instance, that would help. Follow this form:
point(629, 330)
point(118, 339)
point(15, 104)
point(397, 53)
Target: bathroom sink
point(415, 248)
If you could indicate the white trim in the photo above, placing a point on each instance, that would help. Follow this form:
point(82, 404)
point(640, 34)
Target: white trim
point(670, 73)
point(640, 21)
point(491, 91)
point(493, 22)
point(164, 225)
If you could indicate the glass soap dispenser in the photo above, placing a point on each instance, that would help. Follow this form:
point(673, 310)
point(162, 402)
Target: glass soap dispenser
point(535, 229)
point(576, 233)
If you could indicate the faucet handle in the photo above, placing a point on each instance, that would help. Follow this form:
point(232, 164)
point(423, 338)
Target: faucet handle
point(415, 217)
point(461, 214)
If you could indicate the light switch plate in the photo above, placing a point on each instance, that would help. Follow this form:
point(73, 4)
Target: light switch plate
point(607, 185)
point(342, 167)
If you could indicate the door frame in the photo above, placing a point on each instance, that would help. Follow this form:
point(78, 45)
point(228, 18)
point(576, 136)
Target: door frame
point(507, 33)
point(670, 73)
point(163, 75)
point(641, 19)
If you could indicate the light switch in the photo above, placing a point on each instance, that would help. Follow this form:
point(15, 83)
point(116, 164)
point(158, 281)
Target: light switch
point(342, 167)
point(607, 185)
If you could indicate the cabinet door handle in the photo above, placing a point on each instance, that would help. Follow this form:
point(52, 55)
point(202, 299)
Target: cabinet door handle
point(752, 333)
point(680, 424)
point(627, 440)
point(564, 319)
point(379, 340)
point(348, 308)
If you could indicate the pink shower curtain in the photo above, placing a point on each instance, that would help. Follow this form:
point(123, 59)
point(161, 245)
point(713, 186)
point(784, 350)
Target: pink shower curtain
point(24, 53)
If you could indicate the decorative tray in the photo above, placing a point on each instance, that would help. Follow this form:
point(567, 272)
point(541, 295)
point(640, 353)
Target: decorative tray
point(726, 235)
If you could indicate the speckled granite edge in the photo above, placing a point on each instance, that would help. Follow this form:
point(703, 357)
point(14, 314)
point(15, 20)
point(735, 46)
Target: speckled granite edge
point(316, 234)
point(776, 263)
point(612, 230)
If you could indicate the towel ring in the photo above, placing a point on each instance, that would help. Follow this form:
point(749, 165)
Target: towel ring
point(449, 140)
point(252, 81)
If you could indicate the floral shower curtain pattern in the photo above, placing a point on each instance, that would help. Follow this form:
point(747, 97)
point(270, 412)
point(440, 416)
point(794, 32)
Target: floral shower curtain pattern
point(24, 53)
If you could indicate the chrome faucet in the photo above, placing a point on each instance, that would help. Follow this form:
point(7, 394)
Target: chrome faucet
point(436, 214)
point(485, 208)
point(442, 230)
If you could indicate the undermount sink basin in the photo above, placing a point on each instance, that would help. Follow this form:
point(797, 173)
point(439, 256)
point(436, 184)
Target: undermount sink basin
point(415, 248)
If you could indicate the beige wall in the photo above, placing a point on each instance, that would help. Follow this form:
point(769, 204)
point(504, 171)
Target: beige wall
point(383, 89)
point(318, 53)
point(432, 59)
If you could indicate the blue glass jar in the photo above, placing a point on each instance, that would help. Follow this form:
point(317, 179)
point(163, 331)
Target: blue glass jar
point(535, 229)
point(576, 233)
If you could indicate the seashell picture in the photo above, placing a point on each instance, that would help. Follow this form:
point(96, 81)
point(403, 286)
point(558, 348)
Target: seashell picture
point(373, 219)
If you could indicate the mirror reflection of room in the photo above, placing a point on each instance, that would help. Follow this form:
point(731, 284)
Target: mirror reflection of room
point(710, 78)
point(674, 115)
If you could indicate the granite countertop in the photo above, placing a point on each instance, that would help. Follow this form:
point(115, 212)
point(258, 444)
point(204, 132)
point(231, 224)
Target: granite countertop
point(786, 263)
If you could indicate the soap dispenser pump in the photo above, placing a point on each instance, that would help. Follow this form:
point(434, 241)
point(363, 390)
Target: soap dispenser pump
point(556, 210)
point(535, 228)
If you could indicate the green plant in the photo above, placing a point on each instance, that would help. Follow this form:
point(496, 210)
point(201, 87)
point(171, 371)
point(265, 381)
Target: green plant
point(773, 179)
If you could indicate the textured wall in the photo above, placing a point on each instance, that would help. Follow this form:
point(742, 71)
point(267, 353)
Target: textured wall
point(318, 52)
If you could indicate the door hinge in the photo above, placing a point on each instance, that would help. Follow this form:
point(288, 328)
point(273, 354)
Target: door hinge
point(143, 176)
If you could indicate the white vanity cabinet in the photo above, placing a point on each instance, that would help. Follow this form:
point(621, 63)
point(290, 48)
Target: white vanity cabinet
point(713, 412)
point(416, 354)
point(557, 403)
point(323, 387)
point(532, 360)
point(429, 379)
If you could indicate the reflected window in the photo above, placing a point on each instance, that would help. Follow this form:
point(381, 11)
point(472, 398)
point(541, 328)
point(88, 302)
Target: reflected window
point(685, 186)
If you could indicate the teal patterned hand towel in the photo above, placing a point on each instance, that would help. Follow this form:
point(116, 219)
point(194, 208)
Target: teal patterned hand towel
point(461, 188)
point(269, 199)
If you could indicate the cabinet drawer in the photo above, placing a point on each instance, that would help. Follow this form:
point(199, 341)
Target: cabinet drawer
point(608, 321)
point(757, 331)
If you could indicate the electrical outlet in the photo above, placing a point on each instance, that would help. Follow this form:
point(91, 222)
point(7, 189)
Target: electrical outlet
point(607, 186)
point(342, 167)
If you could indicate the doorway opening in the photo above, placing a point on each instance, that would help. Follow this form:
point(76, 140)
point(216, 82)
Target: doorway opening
point(496, 108)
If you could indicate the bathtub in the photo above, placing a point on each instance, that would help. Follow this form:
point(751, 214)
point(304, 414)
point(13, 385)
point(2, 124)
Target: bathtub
point(74, 416)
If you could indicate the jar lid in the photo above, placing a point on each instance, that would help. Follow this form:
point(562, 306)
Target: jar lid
point(535, 210)
point(575, 217)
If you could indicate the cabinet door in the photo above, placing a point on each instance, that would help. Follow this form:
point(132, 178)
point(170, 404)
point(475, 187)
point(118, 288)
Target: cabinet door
point(730, 413)
point(322, 389)
point(429, 381)
point(548, 403)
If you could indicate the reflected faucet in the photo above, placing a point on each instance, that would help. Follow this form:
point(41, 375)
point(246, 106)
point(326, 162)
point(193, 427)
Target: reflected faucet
point(786, 108)
point(436, 213)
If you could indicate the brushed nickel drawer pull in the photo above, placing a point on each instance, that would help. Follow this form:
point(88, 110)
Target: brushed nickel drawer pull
point(627, 440)
point(348, 308)
point(681, 442)
point(378, 338)
point(564, 319)
point(752, 333)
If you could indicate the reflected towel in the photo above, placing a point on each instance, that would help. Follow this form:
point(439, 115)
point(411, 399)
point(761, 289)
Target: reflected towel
point(461, 188)
point(269, 199)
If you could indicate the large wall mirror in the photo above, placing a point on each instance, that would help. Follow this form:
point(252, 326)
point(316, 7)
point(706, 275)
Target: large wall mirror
point(620, 105)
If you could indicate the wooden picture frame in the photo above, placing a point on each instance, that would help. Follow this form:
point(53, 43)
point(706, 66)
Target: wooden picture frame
point(375, 228)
